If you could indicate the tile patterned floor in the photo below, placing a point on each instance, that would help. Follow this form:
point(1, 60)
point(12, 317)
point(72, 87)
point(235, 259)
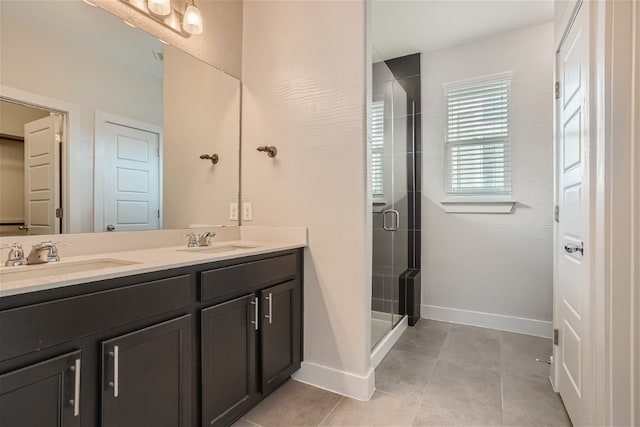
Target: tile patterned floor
point(437, 374)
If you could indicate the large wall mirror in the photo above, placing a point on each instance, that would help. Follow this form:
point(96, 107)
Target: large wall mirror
point(104, 127)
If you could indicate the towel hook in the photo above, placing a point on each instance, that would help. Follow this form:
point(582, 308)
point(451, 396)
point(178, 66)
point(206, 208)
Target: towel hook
point(270, 150)
point(213, 157)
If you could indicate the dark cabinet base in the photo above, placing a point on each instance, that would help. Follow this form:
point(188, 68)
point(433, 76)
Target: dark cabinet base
point(184, 347)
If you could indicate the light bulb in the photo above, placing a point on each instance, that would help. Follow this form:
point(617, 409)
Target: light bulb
point(192, 21)
point(160, 7)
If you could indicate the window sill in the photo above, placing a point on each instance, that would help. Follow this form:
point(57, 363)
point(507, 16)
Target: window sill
point(478, 204)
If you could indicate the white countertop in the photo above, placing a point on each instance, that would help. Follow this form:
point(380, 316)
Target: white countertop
point(144, 261)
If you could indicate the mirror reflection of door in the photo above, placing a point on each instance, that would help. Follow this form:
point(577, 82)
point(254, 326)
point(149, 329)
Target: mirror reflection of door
point(131, 178)
point(19, 122)
point(42, 175)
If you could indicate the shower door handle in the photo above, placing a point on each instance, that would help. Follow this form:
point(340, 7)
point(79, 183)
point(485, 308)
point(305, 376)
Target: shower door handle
point(396, 220)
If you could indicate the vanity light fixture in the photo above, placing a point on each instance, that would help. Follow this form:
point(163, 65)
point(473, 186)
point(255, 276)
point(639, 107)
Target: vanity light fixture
point(184, 22)
point(192, 21)
point(160, 7)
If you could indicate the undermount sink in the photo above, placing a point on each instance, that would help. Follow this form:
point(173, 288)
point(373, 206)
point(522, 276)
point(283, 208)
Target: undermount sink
point(10, 274)
point(219, 248)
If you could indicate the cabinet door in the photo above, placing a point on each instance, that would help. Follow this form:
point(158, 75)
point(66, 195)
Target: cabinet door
point(146, 376)
point(229, 383)
point(44, 394)
point(280, 334)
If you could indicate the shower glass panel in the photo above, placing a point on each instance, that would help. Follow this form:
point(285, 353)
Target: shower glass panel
point(391, 139)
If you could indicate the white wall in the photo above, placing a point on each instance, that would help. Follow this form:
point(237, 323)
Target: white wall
point(220, 43)
point(493, 263)
point(56, 69)
point(304, 66)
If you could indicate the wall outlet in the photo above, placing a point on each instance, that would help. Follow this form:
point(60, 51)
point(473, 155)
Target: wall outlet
point(233, 211)
point(247, 211)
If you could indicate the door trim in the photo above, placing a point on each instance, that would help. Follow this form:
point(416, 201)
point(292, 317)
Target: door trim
point(101, 119)
point(70, 165)
point(617, 207)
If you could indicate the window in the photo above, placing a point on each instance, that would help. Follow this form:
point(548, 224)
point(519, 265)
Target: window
point(377, 150)
point(478, 137)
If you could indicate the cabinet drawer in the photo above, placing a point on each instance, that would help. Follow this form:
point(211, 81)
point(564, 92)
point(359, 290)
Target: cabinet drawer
point(38, 326)
point(238, 279)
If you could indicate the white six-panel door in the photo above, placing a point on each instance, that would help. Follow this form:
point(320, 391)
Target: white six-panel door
point(131, 179)
point(42, 175)
point(573, 231)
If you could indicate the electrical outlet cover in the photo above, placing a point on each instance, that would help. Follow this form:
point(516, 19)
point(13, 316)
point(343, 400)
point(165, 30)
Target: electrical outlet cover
point(233, 211)
point(247, 211)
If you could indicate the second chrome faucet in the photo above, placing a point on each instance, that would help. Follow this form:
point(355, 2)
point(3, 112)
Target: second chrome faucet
point(195, 240)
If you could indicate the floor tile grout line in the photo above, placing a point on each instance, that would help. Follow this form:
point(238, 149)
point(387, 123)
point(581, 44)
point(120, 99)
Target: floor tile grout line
point(331, 411)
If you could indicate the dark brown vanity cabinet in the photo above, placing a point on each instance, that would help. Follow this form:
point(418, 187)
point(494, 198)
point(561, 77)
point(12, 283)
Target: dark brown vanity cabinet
point(146, 376)
point(190, 346)
point(250, 344)
point(42, 394)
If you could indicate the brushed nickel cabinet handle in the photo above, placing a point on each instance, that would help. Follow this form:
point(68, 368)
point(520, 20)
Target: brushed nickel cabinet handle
point(75, 368)
point(116, 369)
point(76, 391)
point(270, 315)
point(255, 313)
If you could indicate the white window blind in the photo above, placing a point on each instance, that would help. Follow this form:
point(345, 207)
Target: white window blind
point(478, 137)
point(377, 150)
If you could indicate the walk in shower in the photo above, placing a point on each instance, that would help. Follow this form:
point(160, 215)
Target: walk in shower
point(392, 175)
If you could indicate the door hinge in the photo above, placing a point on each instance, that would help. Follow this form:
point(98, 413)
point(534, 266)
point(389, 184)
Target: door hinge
point(59, 212)
point(556, 339)
point(58, 137)
point(557, 90)
point(556, 213)
point(158, 213)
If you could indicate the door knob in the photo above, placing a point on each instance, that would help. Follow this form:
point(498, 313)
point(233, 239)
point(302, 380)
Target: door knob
point(571, 248)
point(110, 227)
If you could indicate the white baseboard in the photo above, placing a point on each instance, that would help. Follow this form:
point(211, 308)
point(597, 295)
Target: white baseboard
point(520, 325)
point(382, 348)
point(341, 382)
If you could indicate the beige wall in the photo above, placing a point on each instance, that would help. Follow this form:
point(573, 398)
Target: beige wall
point(220, 44)
point(14, 116)
point(304, 66)
point(497, 264)
point(80, 77)
point(204, 106)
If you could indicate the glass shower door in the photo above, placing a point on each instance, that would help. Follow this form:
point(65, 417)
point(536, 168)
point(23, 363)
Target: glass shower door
point(391, 134)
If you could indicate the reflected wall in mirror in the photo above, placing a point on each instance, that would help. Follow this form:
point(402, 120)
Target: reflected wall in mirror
point(103, 126)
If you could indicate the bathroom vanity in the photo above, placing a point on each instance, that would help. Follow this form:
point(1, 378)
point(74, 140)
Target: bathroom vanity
point(174, 338)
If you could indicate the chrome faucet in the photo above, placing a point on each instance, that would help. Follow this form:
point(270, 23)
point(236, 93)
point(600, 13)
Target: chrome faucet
point(205, 238)
point(43, 252)
point(195, 241)
point(16, 255)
